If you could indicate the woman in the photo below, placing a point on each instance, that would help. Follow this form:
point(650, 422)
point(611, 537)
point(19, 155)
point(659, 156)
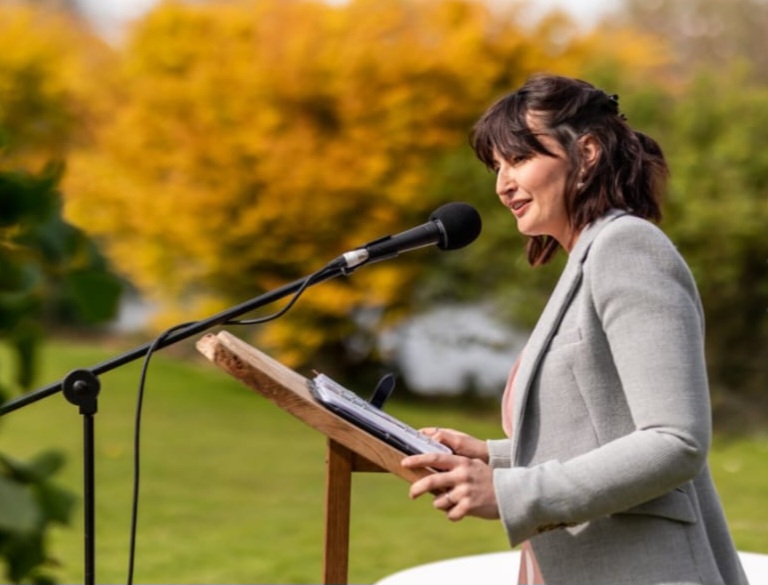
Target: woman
point(603, 475)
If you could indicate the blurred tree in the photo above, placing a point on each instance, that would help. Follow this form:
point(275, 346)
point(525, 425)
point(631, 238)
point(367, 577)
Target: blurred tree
point(709, 123)
point(47, 60)
point(707, 34)
point(69, 7)
point(48, 265)
point(51, 271)
point(230, 167)
point(718, 213)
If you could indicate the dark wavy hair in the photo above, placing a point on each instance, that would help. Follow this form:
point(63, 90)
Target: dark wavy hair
point(630, 172)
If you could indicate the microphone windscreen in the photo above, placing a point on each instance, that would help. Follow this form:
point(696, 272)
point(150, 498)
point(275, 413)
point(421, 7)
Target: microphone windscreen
point(461, 222)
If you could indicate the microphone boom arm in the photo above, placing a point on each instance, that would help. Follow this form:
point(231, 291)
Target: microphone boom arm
point(192, 329)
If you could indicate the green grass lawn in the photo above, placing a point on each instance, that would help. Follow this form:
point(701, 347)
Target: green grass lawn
point(233, 487)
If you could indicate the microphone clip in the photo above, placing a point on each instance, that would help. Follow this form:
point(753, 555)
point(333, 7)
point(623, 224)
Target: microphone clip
point(383, 391)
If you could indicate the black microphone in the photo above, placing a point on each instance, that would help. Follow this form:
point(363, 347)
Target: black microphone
point(451, 226)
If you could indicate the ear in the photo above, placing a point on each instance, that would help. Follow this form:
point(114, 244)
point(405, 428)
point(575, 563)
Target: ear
point(590, 150)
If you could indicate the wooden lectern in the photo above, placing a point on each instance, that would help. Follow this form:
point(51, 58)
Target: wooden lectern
point(350, 448)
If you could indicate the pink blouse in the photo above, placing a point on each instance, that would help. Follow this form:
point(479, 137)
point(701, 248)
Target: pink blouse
point(529, 573)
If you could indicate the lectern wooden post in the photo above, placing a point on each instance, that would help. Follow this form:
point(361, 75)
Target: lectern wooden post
point(350, 448)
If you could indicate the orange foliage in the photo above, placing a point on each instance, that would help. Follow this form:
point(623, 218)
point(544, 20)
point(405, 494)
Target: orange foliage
point(250, 142)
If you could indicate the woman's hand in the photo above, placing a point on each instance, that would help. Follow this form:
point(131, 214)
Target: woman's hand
point(463, 486)
point(460, 443)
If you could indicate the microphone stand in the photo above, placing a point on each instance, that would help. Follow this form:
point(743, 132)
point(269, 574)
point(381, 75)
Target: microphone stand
point(81, 387)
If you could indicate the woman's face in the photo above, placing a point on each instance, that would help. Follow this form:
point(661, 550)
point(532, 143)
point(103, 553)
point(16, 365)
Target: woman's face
point(533, 188)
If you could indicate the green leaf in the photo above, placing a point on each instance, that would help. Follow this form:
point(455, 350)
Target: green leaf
point(25, 196)
point(19, 512)
point(56, 502)
point(38, 469)
point(25, 345)
point(94, 293)
point(23, 553)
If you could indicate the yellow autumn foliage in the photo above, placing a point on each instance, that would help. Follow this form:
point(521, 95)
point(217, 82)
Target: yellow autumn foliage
point(244, 144)
point(46, 63)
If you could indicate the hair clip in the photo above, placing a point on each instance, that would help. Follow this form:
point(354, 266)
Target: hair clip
point(614, 99)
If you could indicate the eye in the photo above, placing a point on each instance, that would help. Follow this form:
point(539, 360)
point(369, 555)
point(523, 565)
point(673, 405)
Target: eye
point(519, 159)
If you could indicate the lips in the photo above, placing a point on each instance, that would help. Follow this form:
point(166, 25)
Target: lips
point(518, 206)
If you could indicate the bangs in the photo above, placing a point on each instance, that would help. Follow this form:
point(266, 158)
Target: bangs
point(504, 129)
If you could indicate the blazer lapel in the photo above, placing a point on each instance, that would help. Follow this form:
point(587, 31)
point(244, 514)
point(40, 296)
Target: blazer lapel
point(550, 319)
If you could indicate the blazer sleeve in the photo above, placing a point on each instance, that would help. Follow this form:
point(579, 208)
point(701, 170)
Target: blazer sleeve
point(647, 303)
point(499, 453)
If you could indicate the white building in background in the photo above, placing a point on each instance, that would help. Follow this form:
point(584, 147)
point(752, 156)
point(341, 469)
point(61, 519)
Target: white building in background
point(454, 348)
point(448, 350)
point(133, 314)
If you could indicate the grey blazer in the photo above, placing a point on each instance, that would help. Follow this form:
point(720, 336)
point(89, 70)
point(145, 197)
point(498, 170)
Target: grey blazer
point(606, 470)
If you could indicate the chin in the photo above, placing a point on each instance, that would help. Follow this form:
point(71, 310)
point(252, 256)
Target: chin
point(527, 230)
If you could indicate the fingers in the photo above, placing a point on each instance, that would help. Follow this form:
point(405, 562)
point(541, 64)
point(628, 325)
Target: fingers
point(430, 431)
point(444, 501)
point(435, 483)
point(439, 434)
point(438, 461)
point(453, 505)
point(462, 487)
point(451, 468)
point(460, 443)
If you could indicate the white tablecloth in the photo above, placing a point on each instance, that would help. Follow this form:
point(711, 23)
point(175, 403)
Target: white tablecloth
point(501, 569)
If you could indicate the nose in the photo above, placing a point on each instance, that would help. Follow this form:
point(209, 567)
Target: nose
point(505, 183)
